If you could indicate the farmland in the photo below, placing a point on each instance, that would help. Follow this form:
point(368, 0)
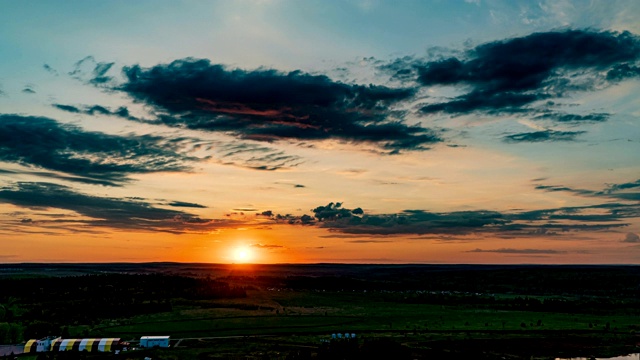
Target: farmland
point(291, 311)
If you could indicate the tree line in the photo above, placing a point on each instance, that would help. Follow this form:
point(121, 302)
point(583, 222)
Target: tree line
point(37, 307)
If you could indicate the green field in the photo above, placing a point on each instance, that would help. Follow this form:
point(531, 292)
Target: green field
point(294, 317)
point(305, 312)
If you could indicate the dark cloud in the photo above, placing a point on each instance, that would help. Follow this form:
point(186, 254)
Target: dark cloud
point(54, 175)
point(624, 191)
point(574, 118)
point(97, 157)
point(28, 90)
point(543, 136)
point(102, 211)
point(92, 71)
point(290, 219)
point(624, 186)
point(354, 221)
point(520, 251)
point(409, 222)
point(557, 188)
point(68, 108)
point(536, 223)
point(631, 238)
point(629, 196)
point(122, 111)
point(580, 216)
point(49, 69)
point(268, 105)
point(509, 76)
point(186, 204)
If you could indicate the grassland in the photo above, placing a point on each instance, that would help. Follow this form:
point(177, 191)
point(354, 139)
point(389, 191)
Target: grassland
point(285, 316)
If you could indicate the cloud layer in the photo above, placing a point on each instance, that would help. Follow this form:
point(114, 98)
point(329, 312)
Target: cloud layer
point(92, 157)
point(103, 212)
point(508, 76)
point(544, 222)
point(269, 105)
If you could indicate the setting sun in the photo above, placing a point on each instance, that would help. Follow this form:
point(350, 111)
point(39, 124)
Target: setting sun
point(242, 255)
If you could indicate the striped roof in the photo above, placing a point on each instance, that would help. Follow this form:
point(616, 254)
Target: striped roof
point(90, 345)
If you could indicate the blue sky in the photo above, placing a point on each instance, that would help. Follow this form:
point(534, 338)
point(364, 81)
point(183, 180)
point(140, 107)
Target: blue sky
point(320, 131)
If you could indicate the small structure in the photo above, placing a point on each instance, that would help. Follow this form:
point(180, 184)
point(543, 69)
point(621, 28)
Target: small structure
point(154, 341)
point(59, 344)
point(42, 345)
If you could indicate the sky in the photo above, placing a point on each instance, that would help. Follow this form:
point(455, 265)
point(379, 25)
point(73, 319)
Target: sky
point(283, 131)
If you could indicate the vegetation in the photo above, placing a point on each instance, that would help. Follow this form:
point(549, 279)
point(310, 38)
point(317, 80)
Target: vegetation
point(272, 312)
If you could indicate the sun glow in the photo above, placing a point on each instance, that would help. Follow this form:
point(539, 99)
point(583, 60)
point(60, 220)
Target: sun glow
point(242, 255)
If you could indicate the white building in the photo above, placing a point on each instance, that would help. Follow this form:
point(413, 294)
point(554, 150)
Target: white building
point(154, 341)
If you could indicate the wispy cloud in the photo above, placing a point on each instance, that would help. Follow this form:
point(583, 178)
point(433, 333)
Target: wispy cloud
point(543, 136)
point(237, 153)
point(185, 204)
point(267, 246)
point(623, 191)
point(102, 212)
point(97, 157)
point(519, 251)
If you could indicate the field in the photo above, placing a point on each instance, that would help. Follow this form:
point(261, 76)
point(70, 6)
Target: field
point(291, 312)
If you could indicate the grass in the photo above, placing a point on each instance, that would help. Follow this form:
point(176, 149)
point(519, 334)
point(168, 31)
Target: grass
point(314, 312)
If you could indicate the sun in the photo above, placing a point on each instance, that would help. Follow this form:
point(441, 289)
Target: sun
point(242, 255)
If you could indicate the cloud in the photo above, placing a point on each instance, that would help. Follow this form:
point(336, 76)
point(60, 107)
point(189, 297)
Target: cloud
point(253, 156)
point(116, 213)
point(122, 111)
point(268, 105)
point(581, 216)
point(574, 118)
point(354, 221)
point(242, 154)
point(624, 186)
point(543, 136)
point(186, 204)
point(624, 191)
point(58, 176)
point(520, 251)
point(92, 71)
point(49, 69)
point(267, 246)
point(631, 238)
point(368, 241)
point(536, 223)
point(509, 75)
point(243, 210)
point(93, 156)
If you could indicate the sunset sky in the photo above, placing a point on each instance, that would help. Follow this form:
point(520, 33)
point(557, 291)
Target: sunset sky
point(364, 131)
